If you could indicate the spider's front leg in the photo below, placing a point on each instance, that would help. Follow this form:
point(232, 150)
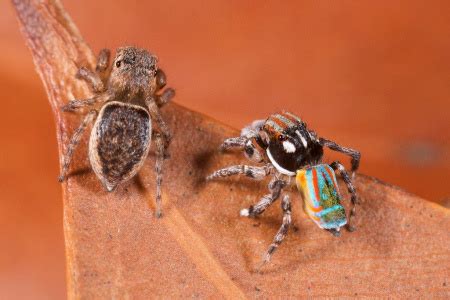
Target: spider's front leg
point(257, 173)
point(161, 81)
point(93, 78)
point(354, 154)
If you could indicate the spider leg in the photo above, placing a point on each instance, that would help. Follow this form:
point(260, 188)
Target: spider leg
point(161, 82)
point(161, 79)
point(78, 103)
point(257, 173)
point(351, 189)
point(92, 78)
point(160, 149)
point(354, 154)
point(247, 133)
point(67, 159)
point(235, 142)
point(103, 60)
point(165, 97)
point(156, 115)
point(281, 234)
point(275, 187)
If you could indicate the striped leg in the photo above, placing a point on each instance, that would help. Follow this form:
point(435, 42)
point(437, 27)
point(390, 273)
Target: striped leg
point(67, 159)
point(236, 142)
point(281, 234)
point(247, 144)
point(275, 187)
point(351, 189)
point(247, 133)
point(160, 149)
point(354, 154)
point(257, 173)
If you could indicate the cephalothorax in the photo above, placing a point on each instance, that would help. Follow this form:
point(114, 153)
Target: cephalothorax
point(126, 100)
point(289, 150)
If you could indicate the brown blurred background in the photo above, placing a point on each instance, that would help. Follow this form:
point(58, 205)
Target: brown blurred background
point(373, 75)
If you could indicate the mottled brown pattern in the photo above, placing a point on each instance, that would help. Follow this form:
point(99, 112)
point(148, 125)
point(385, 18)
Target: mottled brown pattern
point(127, 97)
point(123, 137)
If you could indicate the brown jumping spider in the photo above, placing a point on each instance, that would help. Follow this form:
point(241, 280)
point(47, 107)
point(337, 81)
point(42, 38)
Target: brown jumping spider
point(126, 101)
point(292, 153)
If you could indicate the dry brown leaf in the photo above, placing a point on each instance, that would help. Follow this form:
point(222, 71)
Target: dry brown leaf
point(201, 247)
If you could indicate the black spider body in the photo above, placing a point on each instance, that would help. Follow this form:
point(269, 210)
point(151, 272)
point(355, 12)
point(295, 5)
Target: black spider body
point(290, 145)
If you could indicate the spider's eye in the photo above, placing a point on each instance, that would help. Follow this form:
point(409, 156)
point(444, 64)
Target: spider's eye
point(118, 63)
point(281, 138)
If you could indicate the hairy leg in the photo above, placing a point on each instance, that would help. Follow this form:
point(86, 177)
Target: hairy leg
point(257, 173)
point(161, 79)
point(351, 189)
point(234, 142)
point(92, 78)
point(158, 168)
point(165, 97)
point(281, 234)
point(275, 187)
point(75, 104)
point(156, 115)
point(67, 159)
point(103, 60)
point(354, 154)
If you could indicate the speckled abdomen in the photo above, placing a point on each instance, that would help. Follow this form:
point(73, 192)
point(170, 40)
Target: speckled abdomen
point(119, 143)
point(321, 196)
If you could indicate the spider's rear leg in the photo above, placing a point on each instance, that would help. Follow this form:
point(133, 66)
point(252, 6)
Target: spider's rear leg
point(257, 173)
point(354, 154)
point(275, 187)
point(281, 234)
point(156, 115)
point(67, 159)
point(160, 153)
point(351, 189)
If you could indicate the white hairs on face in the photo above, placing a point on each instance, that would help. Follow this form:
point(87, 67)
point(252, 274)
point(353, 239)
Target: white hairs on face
point(288, 147)
point(304, 142)
point(252, 129)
